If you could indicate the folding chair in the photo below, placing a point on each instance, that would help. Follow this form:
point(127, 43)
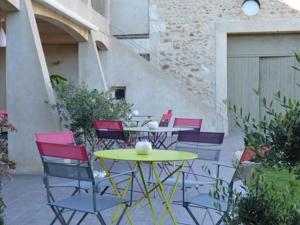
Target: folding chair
point(196, 124)
point(86, 203)
point(207, 201)
point(206, 144)
point(165, 119)
point(110, 132)
point(188, 123)
point(66, 137)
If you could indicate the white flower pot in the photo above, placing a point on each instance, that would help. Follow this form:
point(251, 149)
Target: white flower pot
point(143, 147)
point(135, 113)
point(246, 169)
point(153, 125)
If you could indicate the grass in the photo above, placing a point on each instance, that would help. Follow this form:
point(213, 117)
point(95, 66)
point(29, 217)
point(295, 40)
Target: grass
point(283, 181)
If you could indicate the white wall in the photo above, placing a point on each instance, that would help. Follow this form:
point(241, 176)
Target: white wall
point(2, 79)
point(150, 90)
point(132, 17)
point(67, 55)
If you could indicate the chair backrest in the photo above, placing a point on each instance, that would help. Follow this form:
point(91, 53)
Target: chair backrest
point(165, 119)
point(201, 137)
point(3, 113)
point(109, 129)
point(60, 137)
point(206, 144)
point(108, 125)
point(58, 168)
point(188, 122)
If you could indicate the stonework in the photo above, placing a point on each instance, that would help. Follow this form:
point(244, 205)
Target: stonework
point(183, 37)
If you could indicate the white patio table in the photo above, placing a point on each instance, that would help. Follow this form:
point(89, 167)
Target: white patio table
point(141, 119)
point(157, 136)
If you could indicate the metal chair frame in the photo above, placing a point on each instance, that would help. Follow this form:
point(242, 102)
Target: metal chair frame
point(79, 171)
point(226, 203)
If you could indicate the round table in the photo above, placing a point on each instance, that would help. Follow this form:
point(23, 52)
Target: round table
point(157, 136)
point(154, 157)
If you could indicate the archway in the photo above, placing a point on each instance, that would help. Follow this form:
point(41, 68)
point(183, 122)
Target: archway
point(60, 48)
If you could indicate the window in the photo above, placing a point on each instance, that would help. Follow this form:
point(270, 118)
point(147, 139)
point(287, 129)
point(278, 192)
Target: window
point(120, 92)
point(145, 56)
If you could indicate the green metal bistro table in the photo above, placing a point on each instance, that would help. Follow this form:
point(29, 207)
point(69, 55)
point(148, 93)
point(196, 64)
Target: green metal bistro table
point(154, 157)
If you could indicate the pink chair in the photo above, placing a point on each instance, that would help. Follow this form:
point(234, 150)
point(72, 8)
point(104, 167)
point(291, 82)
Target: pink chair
point(110, 132)
point(165, 119)
point(66, 138)
point(3, 113)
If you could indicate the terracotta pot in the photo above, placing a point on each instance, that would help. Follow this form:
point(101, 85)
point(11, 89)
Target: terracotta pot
point(250, 153)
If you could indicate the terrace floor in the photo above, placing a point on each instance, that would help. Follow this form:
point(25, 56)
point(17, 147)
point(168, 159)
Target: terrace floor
point(25, 197)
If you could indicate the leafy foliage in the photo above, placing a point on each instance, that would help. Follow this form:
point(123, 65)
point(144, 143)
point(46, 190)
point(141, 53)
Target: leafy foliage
point(5, 163)
point(79, 107)
point(262, 204)
point(280, 130)
point(57, 79)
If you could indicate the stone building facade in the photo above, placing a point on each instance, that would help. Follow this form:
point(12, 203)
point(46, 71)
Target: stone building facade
point(183, 38)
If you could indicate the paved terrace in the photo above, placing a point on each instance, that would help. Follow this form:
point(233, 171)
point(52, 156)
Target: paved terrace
point(25, 197)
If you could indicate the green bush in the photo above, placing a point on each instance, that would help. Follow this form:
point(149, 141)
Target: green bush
point(79, 107)
point(263, 204)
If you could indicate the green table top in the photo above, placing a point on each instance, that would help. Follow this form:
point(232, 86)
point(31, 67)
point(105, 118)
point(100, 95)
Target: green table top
point(154, 156)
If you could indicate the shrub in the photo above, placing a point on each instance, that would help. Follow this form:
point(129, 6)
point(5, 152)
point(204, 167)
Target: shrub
point(79, 107)
point(262, 204)
point(5, 163)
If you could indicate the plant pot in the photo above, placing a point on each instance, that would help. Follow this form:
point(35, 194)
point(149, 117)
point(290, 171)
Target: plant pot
point(246, 169)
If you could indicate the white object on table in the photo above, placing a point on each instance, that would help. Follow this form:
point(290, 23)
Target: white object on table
point(143, 147)
point(135, 113)
point(153, 125)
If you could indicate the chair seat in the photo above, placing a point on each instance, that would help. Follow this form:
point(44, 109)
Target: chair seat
point(206, 201)
point(84, 202)
point(83, 184)
point(187, 183)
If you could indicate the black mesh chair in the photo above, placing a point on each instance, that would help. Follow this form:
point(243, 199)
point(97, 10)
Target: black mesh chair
point(77, 170)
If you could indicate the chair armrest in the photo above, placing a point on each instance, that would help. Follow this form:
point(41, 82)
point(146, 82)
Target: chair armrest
point(208, 177)
point(223, 165)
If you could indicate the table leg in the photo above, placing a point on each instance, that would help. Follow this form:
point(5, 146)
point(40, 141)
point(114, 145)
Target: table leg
point(119, 195)
point(167, 200)
point(147, 194)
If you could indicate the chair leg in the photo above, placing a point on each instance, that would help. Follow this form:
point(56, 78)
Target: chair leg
point(71, 217)
point(100, 218)
point(122, 215)
point(220, 221)
point(191, 214)
point(82, 218)
point(58, 215)
point(210, 216)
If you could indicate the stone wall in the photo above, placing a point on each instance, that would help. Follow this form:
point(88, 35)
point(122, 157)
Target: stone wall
point(183, 37)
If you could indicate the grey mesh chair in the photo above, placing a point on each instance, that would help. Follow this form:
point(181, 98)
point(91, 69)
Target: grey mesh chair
point(206, 144)
point(208, 201)
point(67, 137)
point(86, 203)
